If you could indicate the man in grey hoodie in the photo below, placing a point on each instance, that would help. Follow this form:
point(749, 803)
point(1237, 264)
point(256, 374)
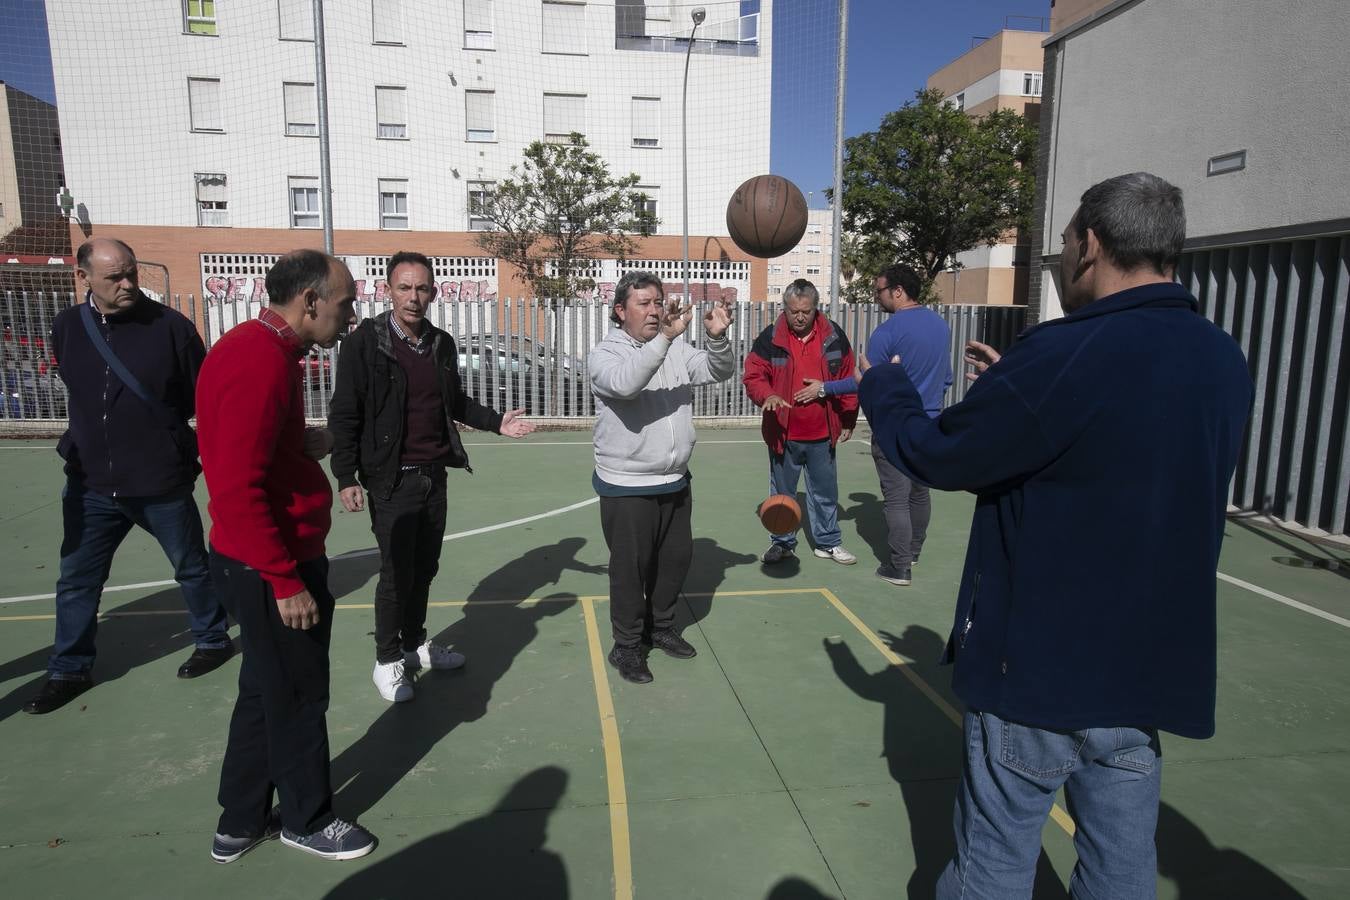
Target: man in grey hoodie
point(643, 375)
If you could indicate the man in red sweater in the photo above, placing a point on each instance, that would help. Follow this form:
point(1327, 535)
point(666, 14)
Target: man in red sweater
point(802, 345)
point(271, 508)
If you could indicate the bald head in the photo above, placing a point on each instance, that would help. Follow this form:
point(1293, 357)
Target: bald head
point(105, 269)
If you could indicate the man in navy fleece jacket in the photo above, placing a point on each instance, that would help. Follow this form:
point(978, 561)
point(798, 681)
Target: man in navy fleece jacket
point(1100, 448)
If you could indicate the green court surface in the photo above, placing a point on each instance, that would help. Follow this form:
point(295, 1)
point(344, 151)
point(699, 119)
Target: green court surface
point(810, 750)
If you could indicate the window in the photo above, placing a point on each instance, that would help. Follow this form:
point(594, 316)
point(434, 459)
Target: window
point(1031, 84)
point(204, 104)
point(302, 109)
point(480, 195)
point(480, 116)
point(776, 269)
point(646, 121)
point(563, 114)
point(388, 21)
point(813, 270)
point(564, 27)
point(650, 204)
point(813, 229)
point(305, 211)
point(393, 203)
point(795, 270)
point(199, 16)
point(296, 20)
point(812, 248)
point(478, 25)
point(391, 113)
point(212, 207)
point(959, 101)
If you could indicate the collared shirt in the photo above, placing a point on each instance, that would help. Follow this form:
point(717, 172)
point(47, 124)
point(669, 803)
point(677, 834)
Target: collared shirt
point(421, 344)
point(274, 321)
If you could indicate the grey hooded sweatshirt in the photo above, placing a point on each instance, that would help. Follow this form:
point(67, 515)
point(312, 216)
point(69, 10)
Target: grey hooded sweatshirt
point(644, 423)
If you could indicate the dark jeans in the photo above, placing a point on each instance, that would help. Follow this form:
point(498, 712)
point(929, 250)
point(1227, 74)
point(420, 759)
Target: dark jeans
point(409, 528)
point(95, 526)
point(822, 489)
point(278, 737)
point(650, 549)
point(908, 510)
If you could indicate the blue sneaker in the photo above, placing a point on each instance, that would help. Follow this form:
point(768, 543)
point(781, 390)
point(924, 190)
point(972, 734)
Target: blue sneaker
point(226, 849)
point(339, 840)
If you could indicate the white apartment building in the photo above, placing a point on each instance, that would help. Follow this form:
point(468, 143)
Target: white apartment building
point(812, 258)
point(191, 126)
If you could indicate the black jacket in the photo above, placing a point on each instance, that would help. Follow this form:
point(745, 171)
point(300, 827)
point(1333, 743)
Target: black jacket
point(115, 442)
point(366, 412)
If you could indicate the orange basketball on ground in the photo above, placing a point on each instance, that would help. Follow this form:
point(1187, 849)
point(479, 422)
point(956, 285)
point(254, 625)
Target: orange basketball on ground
point(766, 216)
point(780, 514)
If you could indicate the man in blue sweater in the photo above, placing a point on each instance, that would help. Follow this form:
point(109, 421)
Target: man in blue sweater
point(922, 340)
point(1100, 448)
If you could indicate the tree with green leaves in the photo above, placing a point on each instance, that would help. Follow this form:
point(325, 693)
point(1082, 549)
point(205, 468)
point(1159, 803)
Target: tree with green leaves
point(559, 209)
point(933, 182)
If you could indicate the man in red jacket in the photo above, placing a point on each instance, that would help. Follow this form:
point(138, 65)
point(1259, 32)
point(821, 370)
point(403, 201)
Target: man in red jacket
point(271, 508)
point(800, 345)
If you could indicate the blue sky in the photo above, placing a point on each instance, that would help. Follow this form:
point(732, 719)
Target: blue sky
point(893, 46)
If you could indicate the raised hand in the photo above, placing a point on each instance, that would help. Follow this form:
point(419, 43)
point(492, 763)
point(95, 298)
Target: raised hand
point(675, 319)
point(717, 320)
point(810, 392)
point(979, 357)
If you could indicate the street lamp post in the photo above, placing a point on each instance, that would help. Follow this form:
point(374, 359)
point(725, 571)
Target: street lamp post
point(698, 14)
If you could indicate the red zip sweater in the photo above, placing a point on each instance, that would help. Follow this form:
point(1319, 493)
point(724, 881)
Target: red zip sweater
point(270, 506)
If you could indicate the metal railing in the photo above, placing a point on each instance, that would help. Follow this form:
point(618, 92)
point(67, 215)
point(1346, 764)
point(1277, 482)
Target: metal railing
point(514, 353)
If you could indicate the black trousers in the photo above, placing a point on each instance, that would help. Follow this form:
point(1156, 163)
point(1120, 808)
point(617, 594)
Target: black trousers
point(409, 528)
point(650, 549)
point(278, 736)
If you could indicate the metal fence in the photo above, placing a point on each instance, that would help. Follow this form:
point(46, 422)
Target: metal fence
point(513, 353)
point(1285, 304)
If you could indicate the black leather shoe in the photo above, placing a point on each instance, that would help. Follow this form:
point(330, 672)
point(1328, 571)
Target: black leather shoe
point(631, 663)
point(205, 660)
point(56, 694)
point(669, 641)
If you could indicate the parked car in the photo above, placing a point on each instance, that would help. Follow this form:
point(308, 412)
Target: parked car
point(507, 379)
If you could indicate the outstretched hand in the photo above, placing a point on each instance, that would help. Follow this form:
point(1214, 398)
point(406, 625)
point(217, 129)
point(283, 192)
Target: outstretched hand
point(979, 357)
point(514, 427)
point(675, 319)
point(717, 319)
point(864, 364)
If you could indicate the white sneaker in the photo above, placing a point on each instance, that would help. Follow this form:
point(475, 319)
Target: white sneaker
point(838, 554)
point(432, 656)
point(392, 683)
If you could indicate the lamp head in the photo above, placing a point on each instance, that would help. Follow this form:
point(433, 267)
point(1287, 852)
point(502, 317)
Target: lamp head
point(698, 14)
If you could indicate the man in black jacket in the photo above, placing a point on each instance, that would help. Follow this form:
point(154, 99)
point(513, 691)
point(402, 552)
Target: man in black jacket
point(131, 459)
point(397, 397)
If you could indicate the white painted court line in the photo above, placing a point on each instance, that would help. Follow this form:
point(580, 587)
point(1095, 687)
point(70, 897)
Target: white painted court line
point(350, 555)
point(1287, 601)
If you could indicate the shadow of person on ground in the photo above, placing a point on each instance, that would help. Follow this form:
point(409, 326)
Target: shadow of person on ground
point(496, 626)
point(349, 573)
point(501, 854)
point(867, 512)
point(795, 888)
point(923, 750)
point(131, 635)
point(711, 563)
point(1307, 555)
point(1201, 870)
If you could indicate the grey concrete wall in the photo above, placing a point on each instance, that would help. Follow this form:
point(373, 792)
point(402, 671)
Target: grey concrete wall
point(1163, 85)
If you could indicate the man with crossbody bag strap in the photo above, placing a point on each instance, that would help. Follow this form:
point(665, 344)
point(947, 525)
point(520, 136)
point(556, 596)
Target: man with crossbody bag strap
point(130, 369)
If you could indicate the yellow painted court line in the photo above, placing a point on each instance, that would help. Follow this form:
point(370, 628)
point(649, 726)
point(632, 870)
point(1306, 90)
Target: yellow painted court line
point(1057, 812)
point(609, 734)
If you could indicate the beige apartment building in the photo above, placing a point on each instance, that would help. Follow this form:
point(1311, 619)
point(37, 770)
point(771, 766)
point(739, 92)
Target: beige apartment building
point(1003, 72)
point(811, 259)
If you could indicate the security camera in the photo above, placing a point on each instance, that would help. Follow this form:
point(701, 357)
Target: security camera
point(699, 14)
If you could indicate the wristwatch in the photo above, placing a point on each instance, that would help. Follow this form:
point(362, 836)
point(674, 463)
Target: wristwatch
point(820, 395)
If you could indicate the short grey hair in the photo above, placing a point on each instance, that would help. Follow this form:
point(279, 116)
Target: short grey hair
point(801, 288)
point(1139, 219)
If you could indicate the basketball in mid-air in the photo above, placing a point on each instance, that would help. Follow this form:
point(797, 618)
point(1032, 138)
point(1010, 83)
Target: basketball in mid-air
point(766, 216)
point(780, 514)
